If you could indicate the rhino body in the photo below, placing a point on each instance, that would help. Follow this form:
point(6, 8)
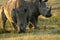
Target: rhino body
point(20, 12)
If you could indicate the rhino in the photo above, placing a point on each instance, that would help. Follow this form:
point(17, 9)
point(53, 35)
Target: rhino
point(20, 12)
point(34, 10)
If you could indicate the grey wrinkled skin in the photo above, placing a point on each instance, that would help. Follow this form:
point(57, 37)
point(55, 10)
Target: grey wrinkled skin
point(29, 10)
point(36, 9)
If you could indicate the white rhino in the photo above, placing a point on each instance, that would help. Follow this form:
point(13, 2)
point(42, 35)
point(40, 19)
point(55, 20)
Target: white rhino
point(20, 12)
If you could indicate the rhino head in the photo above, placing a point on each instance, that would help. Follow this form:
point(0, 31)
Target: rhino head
point(43, 9)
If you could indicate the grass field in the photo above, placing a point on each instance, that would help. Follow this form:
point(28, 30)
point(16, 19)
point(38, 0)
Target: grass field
point(49, 27)
point(34, 37)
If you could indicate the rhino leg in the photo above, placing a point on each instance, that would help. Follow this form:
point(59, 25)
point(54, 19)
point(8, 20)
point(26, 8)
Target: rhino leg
point(33, 20)
point(13, 15)
point(15, 27)
point(3, 25)
point(3, 21)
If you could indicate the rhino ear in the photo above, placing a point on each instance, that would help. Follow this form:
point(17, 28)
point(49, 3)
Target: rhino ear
point(43, 0)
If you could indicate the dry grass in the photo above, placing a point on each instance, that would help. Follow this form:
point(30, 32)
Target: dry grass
point(34, 37)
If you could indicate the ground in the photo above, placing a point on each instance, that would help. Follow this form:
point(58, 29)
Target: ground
point(34, 37)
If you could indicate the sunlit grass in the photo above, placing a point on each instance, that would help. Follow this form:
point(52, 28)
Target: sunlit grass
point(34, 37)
